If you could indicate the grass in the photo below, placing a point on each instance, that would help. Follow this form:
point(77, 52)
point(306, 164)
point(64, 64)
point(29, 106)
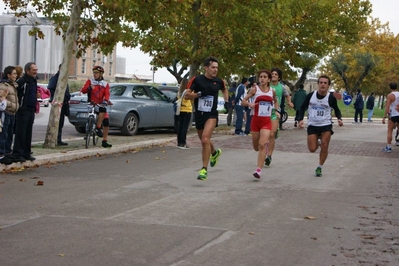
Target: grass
point(346, 111)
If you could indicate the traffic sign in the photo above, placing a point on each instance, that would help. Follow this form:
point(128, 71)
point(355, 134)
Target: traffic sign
point(347, 100)
point(345, 93)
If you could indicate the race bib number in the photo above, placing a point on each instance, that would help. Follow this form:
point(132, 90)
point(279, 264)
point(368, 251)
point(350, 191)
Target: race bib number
point(205, 103)
point(318, 113)
point(265, 109)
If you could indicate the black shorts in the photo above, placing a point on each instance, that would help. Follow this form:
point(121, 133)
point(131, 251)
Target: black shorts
point(100, 109)
point(313, 130)
point(395, 119)
point(202, 117)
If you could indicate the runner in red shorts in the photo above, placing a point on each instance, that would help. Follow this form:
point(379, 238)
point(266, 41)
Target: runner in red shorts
point(264, 101)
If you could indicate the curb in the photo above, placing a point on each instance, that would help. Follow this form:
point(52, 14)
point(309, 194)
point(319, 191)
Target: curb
point(84, 153)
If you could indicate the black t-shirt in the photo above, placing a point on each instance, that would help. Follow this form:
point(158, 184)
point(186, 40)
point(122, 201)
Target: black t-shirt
point(210, 87)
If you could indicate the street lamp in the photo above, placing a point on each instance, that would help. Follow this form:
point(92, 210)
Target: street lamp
point(153, 69)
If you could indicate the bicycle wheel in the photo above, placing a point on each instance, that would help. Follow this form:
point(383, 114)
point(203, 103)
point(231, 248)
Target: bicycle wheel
point(95, 138)
point(284, 116)
point(90, 130)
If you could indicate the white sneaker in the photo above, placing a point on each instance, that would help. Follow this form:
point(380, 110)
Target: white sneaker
point(185, 147)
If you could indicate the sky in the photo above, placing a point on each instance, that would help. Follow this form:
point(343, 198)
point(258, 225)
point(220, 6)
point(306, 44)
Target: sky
point(139, 63)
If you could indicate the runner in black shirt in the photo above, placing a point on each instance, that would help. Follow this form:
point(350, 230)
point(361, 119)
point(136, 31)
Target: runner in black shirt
point(204, 89)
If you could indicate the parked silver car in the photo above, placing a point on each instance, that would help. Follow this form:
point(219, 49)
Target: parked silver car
point(134, 107)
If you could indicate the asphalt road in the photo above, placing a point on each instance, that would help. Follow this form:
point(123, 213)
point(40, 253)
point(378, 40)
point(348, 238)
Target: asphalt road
point(146, 207)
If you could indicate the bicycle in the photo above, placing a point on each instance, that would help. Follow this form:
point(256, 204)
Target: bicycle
point(91, 124)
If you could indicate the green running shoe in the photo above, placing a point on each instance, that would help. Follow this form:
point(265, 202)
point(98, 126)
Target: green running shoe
point(203, 174)
point(215, 159)
point(318, 172)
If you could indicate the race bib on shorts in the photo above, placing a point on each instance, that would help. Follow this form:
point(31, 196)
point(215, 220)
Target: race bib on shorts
point(205, 103)
point(265, 109)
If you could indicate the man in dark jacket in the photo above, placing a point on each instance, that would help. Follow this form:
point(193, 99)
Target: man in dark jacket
point(52, 85)
point(370, 106)
point(25, 116)
point(359, 106)
point(299, 98)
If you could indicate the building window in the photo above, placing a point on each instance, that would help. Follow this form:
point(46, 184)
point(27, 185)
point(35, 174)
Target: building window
point(110, 69)
point(83, 66)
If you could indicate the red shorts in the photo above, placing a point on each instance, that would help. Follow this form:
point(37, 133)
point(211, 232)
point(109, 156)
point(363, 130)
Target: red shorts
point(259, 123)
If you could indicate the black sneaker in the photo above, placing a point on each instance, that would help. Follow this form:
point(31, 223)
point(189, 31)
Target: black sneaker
point(268, 160)
point(99, 132)
point(17, 159)
point(5, 160)
point(105, 144)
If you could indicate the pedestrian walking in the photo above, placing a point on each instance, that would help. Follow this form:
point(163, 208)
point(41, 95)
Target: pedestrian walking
point(240, 94)
point(204, 90)
point(319, 104)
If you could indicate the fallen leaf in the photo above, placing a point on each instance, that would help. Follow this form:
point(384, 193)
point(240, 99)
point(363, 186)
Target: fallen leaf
point(2, 182)
point(313, 238)
point(251, 233)
point(127, 161)
point(35, 177)
point(309, 218)
point(61, 255)
point(39, 183)
point(156, 158)
point(367, 236)
point(22, 180)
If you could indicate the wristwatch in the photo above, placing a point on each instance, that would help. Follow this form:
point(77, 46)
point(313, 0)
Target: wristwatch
point(199, 94)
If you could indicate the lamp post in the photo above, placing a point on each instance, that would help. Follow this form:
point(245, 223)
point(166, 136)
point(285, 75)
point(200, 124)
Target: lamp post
point(153, 69)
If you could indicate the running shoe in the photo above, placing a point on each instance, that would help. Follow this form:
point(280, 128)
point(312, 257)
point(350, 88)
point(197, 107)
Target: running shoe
point(268, 160)
point(318, 172)
point(257, 174)
point(387, 149)
point(202, 174)
point(105, 144)
point(397, 143)
point(99, 132)
point(215, 159)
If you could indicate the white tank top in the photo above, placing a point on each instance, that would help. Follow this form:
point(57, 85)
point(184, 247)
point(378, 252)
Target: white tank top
point(319, 111)
point(393, 105)
point(264, 101)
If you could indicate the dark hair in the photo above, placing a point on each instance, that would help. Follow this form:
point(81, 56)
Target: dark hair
point(269, 73)
point(7, 71)
point(301, 86)
point(28, 66)
point(244, 79)
point(279, 72)
point(209, 60)
point(358, 90)
point(324, 77)
point(393, 86)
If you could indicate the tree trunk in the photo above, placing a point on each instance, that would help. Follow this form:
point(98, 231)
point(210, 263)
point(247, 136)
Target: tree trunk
point(52, 127)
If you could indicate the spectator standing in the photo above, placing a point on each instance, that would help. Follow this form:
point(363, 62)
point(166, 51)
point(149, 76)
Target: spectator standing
point(8, 86)
point(20, 71)
point(52, 85)
point(298, 99)
point(390, 108)
point(97, 90)
point(25, 116)
point(359, 106)
point(370, 106)
point(184, 117)
point(248, 109)
point(204, 89)
point(232, 95)
point(240, 94)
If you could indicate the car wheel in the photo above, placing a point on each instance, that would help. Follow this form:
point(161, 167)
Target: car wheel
point(130, 125)
point(80, 129)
